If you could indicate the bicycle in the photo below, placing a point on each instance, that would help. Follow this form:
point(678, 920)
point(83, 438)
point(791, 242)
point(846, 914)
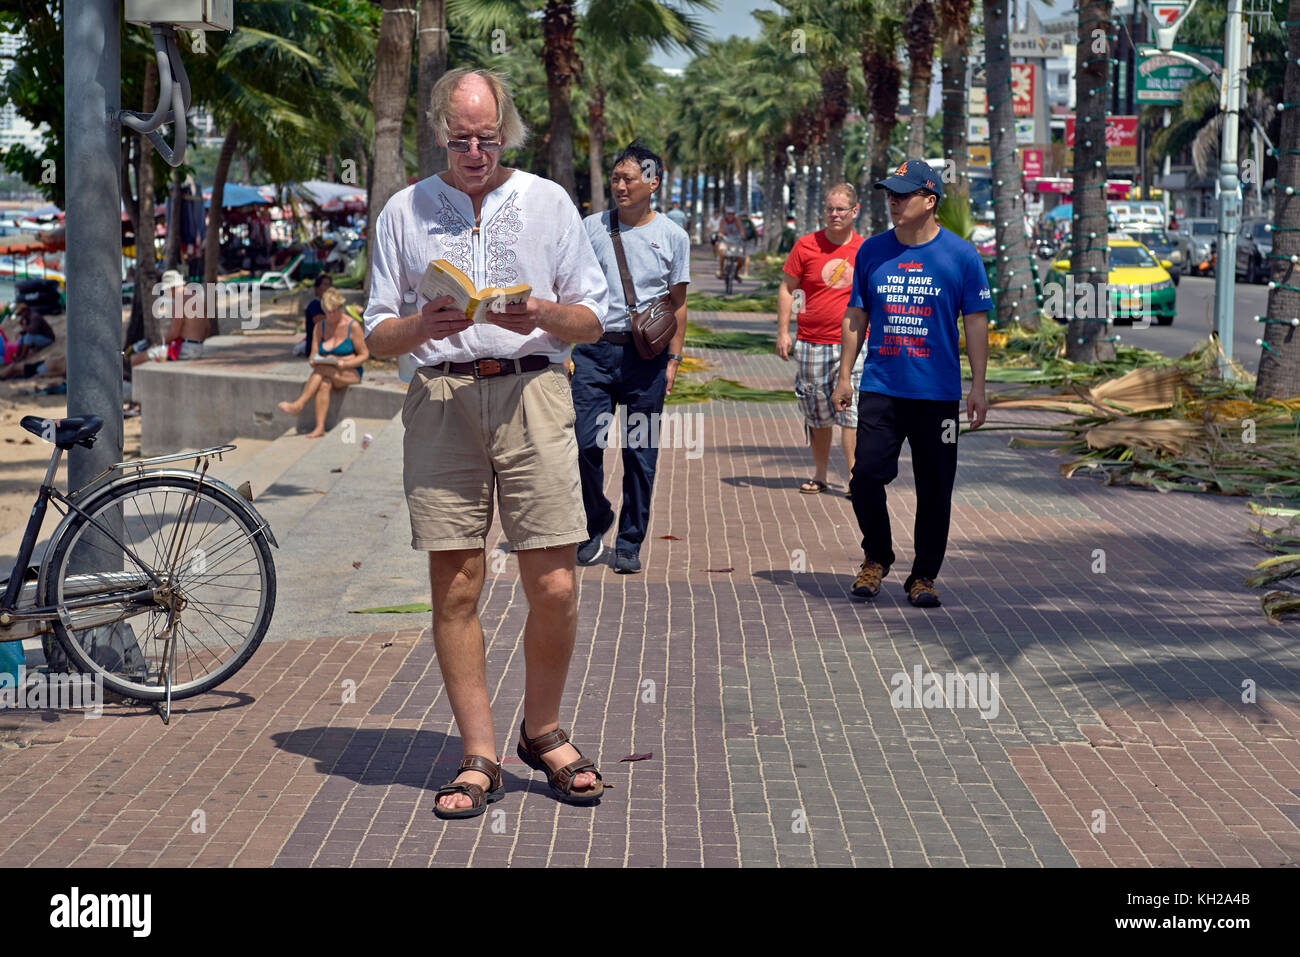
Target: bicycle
point(182, 553)
point(732, 256)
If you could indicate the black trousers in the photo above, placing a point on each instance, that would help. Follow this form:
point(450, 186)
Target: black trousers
point(930, 428)
point(606, 375)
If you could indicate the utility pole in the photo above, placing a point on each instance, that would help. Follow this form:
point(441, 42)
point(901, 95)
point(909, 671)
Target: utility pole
point(92, 142)
point(1225, 267)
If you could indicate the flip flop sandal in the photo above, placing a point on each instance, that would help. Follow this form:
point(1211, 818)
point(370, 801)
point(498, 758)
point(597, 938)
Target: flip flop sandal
point(480, 799)
point(530, 751)
point(848, 493)
point(818, 488)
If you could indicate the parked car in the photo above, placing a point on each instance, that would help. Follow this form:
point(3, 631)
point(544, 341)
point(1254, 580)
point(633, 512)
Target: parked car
point(1138, 282)
point(1163, 245)
point(1202, 243)
point(1254, 246)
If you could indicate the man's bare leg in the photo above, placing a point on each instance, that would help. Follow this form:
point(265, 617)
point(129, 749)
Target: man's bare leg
point(548, 581)
point(821, 450)
point(456, 580)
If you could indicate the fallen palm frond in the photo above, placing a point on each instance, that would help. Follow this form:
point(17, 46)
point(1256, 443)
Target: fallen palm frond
point(702, 337)
point(718, 388)
point(1279, 603)
point(760, 302)
point(1281, 570)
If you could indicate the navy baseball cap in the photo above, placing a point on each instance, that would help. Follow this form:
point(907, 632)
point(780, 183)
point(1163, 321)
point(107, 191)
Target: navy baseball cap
point(911, 176)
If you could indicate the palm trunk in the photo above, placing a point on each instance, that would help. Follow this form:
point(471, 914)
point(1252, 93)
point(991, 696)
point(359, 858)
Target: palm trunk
point(146, 265)
point(1086, 336)
point(835, 107)
point(172, 251)
point(773, 181)
point(1279, 364)
point(801, 177)
point(433, 63)
point(919, 30)
point(560, 55)
point(954, 19)
point(212, 240)
point(596, 147)
point(880, 67)
point(388, 95)
point(1015, 296)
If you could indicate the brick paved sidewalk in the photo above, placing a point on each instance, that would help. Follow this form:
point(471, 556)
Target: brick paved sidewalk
point(767, 697)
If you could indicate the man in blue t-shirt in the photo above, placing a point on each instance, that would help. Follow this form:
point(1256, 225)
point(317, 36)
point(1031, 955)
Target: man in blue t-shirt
point(912, 283)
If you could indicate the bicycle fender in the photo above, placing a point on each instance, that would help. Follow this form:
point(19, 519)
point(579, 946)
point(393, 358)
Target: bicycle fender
point(94, 493)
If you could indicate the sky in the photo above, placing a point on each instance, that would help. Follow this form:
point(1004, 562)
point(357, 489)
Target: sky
point(732, 18)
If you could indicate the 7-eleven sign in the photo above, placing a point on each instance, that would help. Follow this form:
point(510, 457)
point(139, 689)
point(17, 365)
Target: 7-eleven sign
point(1166, 17)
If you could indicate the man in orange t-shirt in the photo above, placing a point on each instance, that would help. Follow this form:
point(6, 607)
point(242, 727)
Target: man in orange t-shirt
point(819, 276)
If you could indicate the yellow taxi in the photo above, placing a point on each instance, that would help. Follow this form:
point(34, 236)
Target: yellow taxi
point(1138, 284)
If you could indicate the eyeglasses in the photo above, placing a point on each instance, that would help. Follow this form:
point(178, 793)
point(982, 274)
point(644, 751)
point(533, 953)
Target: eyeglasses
point(839, 209)
point(485, 146)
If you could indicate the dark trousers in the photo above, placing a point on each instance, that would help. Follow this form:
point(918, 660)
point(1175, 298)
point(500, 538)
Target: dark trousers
point(606, 375)
point(930, 428)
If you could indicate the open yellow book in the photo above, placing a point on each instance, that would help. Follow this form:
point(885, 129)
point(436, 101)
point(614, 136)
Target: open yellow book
point(444, 279)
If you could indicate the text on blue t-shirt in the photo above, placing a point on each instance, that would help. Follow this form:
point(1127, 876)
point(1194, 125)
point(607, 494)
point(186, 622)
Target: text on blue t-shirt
point(913, 296)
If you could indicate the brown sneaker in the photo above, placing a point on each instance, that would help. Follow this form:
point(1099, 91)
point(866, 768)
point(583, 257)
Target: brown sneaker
point(867, 583)
point(922, 594)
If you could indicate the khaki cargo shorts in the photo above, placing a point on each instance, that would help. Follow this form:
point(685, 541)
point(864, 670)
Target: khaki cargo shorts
point(465, 435)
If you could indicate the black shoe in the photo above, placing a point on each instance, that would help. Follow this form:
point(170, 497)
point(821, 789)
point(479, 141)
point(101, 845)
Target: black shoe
point(626, 563)
point(589, 552)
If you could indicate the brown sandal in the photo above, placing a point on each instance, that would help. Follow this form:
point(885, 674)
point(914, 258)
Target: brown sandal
point(479, 798)
point(530, 752)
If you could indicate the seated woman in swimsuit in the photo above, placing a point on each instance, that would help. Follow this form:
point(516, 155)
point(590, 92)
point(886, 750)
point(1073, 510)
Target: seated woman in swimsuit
point(338, 348)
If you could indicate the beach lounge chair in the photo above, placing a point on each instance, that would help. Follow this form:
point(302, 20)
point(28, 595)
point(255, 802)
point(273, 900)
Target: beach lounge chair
point(281, 278)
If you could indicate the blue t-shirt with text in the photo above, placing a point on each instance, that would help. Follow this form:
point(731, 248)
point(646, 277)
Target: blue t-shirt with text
point(913, 296)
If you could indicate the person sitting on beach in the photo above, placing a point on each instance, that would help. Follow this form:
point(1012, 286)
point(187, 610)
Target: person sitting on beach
point(34, 333)
point(338, 349)
point(186, 335)
point(55, 365)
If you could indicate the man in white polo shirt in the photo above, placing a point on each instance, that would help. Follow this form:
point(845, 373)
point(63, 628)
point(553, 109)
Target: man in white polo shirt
point(489, 413)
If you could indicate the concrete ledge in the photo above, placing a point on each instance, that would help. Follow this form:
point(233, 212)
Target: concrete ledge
point(233, 390)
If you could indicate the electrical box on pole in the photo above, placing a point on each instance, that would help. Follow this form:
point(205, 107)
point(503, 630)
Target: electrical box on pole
point(183, 14)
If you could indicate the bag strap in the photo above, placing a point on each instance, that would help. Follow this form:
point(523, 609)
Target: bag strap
point(629, 297)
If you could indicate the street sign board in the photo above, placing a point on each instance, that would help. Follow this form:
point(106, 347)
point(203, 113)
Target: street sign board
point(977, 129)
point(1028, 45)
point(1121, 141)
point(1166, 17)
point(1022, 88)
point(1160, 78)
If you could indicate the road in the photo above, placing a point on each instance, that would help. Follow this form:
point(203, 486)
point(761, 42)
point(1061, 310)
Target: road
point(1195, 319)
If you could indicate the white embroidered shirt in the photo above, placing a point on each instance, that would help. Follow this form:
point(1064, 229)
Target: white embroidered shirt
point(530, 233)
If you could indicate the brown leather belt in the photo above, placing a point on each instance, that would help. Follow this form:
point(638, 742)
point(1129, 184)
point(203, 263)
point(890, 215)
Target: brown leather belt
point(487, 368)
point(617, 338)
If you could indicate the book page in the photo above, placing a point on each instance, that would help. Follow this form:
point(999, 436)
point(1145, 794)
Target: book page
point(437, 281)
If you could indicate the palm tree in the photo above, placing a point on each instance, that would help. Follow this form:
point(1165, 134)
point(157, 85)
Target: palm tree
point(1086, 338)
point(275, 83)
point(432, 64)
point(882, 74)
point(662, 25)
point(1279, 360)
point(388, 95)
point(954, 32)
point(1015, 293)
point(918, 31)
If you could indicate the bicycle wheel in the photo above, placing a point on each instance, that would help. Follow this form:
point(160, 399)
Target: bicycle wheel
point(730, 275)
point(210, 563)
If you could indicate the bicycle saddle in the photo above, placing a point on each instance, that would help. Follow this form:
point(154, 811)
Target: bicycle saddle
point(77, 430)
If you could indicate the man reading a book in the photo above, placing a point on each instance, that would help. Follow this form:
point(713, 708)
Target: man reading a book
point(489, 414)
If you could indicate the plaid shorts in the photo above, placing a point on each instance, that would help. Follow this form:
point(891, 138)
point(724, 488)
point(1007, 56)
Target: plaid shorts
point(819, 370)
